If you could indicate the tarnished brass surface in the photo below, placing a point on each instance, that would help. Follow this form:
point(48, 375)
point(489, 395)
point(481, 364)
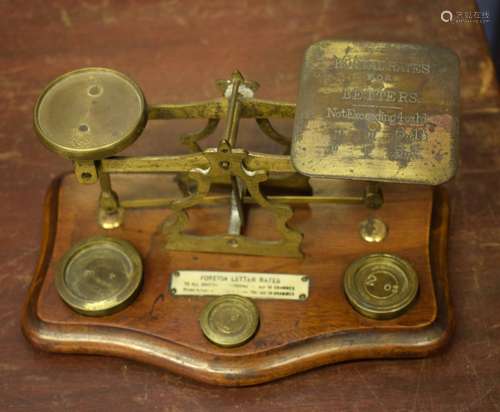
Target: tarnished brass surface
point(229, 320)
point(99, 276)
point(110, 213)
point(90, 113)
point(228, 162)
point(377, 111)
point(380, 285)
point(373, 230)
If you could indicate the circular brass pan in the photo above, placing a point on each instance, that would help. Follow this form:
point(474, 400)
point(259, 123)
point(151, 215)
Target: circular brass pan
point(90, 113)
point(229, 320)
point(99, 276)
point(380, 285)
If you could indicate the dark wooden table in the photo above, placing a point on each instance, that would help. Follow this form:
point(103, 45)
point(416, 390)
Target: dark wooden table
point(175, 50)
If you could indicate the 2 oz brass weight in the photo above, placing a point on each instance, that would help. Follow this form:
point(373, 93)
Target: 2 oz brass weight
point(381, 285)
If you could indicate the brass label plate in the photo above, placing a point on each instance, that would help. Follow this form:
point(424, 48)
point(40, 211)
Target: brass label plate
point(377, 111)
point(248, 284)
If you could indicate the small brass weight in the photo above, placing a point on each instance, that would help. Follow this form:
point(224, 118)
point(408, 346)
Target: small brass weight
point(378, 113)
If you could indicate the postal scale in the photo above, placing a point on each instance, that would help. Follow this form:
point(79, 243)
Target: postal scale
point(234, 267)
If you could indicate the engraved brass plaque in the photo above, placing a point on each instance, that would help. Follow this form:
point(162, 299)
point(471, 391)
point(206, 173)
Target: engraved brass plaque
point(377, 111)
point(248, 284)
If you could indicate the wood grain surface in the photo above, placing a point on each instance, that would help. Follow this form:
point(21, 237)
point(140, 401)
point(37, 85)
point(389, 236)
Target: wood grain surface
point(293, 336)
point(175, 50)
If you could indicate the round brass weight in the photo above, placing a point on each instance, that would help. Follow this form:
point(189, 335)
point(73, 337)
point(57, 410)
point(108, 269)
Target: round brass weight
point(380, 285)
point(89, 114)
point(373, 230)
point(229, 320)
point(99, 276)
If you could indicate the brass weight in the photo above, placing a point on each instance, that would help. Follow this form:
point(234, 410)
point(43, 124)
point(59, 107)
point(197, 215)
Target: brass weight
point(380, 285)
point(229, 320)
point(99, 276)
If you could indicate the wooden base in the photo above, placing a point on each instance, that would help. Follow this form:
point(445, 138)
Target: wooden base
point(294, 336)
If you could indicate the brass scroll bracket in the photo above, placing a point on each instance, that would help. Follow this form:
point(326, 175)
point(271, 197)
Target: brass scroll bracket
point(226, 163)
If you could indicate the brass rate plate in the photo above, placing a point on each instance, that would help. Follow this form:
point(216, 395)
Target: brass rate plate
point(99, 276)
point(90, 113)
point(377, 111)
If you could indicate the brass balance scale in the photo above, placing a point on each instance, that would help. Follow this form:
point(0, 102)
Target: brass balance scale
point(235, 267)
